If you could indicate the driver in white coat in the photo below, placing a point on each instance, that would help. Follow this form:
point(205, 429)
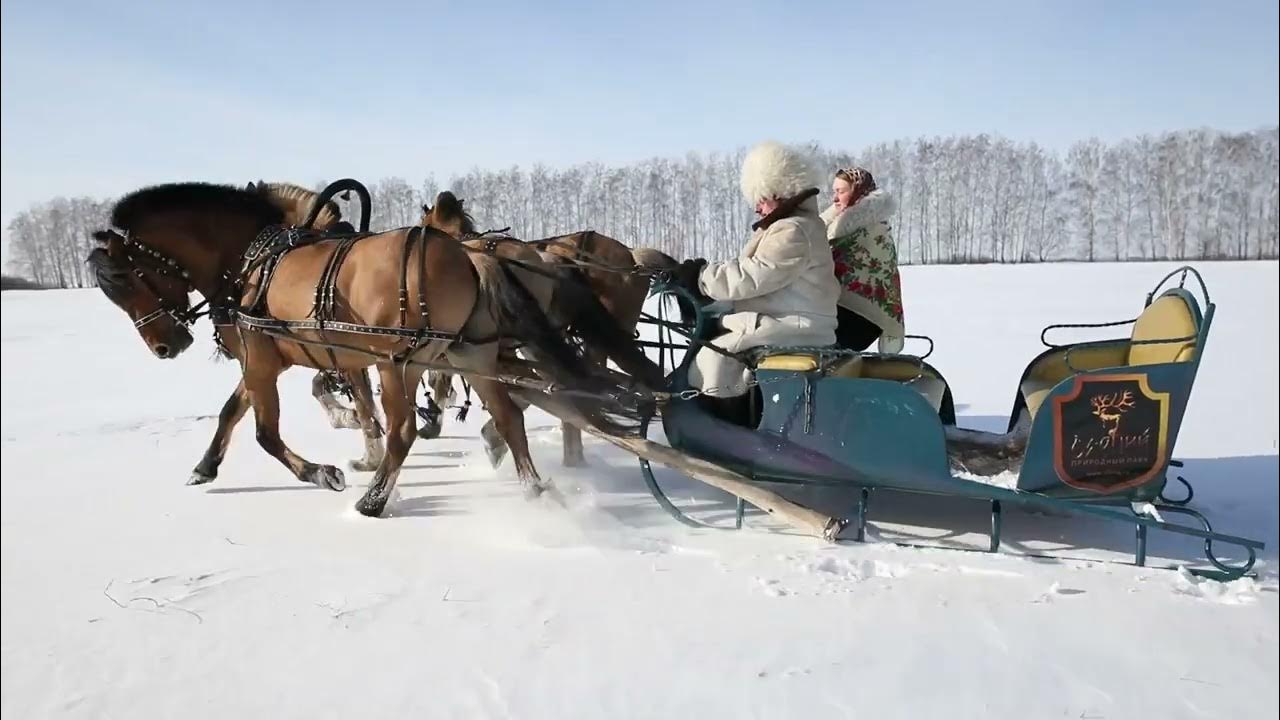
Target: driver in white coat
point(782, 289)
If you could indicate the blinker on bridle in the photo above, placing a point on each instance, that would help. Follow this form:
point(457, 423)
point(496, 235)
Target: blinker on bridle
point(138, 255)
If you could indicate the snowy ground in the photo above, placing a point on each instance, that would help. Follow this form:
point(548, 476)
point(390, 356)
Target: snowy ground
point(129, 595)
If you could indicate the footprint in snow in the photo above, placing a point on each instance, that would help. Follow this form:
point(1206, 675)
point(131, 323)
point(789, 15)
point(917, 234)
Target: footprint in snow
point(773, 588)
point(1054, 591)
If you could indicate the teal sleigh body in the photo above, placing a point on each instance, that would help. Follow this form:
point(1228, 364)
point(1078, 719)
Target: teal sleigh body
point(1093, 428)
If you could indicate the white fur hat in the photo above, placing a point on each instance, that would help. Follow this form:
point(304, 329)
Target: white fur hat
point(775, 170)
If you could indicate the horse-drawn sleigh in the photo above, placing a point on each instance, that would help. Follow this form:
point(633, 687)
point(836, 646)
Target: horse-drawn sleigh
point(1091, 432)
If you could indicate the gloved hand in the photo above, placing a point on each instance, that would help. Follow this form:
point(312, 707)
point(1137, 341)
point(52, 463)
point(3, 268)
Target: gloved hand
point(686, 273)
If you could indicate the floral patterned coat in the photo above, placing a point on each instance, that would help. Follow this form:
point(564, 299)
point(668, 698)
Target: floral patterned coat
point(866, 264)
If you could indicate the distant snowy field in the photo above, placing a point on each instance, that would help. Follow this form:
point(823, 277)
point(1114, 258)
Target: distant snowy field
point(128, 595)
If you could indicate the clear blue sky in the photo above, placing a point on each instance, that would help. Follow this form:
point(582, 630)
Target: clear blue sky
point(102, 97)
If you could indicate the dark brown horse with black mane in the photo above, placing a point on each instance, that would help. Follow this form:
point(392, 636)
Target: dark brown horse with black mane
point(617, 275)
point(279, 297)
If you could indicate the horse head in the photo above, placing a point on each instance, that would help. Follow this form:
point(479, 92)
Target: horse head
point(150, 291)
point(174, 239)
point(448, 215)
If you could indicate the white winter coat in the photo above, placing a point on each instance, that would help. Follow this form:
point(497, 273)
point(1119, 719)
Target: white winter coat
point(782, 290)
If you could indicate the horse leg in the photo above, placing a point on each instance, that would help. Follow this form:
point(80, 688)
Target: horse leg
point(265, 397)
point(339, 416)
point(440, 386)
point(397, 403)
point(508, 420)
point(571, 437)
point(232, 410)
point(432, 420)
point(373, 450)
point(571, 441)
point(495, 448)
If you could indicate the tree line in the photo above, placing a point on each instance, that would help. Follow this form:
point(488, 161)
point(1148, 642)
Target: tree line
point(1190, 195)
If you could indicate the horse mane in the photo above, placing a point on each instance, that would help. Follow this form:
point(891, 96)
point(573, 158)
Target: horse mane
point(135, 207)
point(296, 201)
point(468, 222)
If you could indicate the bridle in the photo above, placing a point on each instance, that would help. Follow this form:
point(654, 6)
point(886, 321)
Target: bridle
point(139, 257)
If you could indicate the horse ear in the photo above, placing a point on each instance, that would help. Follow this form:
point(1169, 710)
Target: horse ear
point(108, 240)
point(426, 209)
point(250, 187)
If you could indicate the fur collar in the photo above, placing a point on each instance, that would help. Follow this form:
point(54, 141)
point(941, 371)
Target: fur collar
point(806, 203)
point(877, 207)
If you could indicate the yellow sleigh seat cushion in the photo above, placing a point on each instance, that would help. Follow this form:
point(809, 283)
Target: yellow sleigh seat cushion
point(791, 363)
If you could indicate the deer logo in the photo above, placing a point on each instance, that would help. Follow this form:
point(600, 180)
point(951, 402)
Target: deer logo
point(1110, 408)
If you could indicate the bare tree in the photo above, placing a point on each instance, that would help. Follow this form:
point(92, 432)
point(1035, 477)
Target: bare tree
point(1193, 194)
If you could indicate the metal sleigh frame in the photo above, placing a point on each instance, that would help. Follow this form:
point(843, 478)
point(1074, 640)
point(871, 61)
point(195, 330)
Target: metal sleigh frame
point(904, 450)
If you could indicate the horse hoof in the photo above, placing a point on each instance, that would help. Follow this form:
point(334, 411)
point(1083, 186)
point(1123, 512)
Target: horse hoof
point(575, 462)
point(371, 507)
point(553, 493)
point(545, 490)
point(325, 476)
point(833, 529)
point(362, 465)
point(199, 478)
point(429, 430)
point(496, 455)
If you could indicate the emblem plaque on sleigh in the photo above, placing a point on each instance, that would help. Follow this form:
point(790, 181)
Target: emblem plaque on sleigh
point(1110, 432)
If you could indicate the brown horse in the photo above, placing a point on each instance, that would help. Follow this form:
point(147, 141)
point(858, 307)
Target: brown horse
point(296, 203)
point(279, 299)
point(609, 268)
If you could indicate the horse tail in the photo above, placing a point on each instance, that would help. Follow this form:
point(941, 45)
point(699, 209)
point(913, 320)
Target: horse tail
point(592, 322)
point(519, 317)
point(599, 329)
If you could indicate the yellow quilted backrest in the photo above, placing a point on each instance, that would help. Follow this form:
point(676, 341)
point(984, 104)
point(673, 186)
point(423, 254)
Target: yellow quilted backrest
point(793, 363)
point(805, 363)
point(801, 362)
point(1168, 318)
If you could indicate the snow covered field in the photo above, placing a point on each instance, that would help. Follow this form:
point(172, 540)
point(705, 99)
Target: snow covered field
point(129, 595)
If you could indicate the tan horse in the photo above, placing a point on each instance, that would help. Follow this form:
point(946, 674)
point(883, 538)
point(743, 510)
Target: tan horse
point(623, 301)
point(279, 300)
point(296, 203)
point(605, 264)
